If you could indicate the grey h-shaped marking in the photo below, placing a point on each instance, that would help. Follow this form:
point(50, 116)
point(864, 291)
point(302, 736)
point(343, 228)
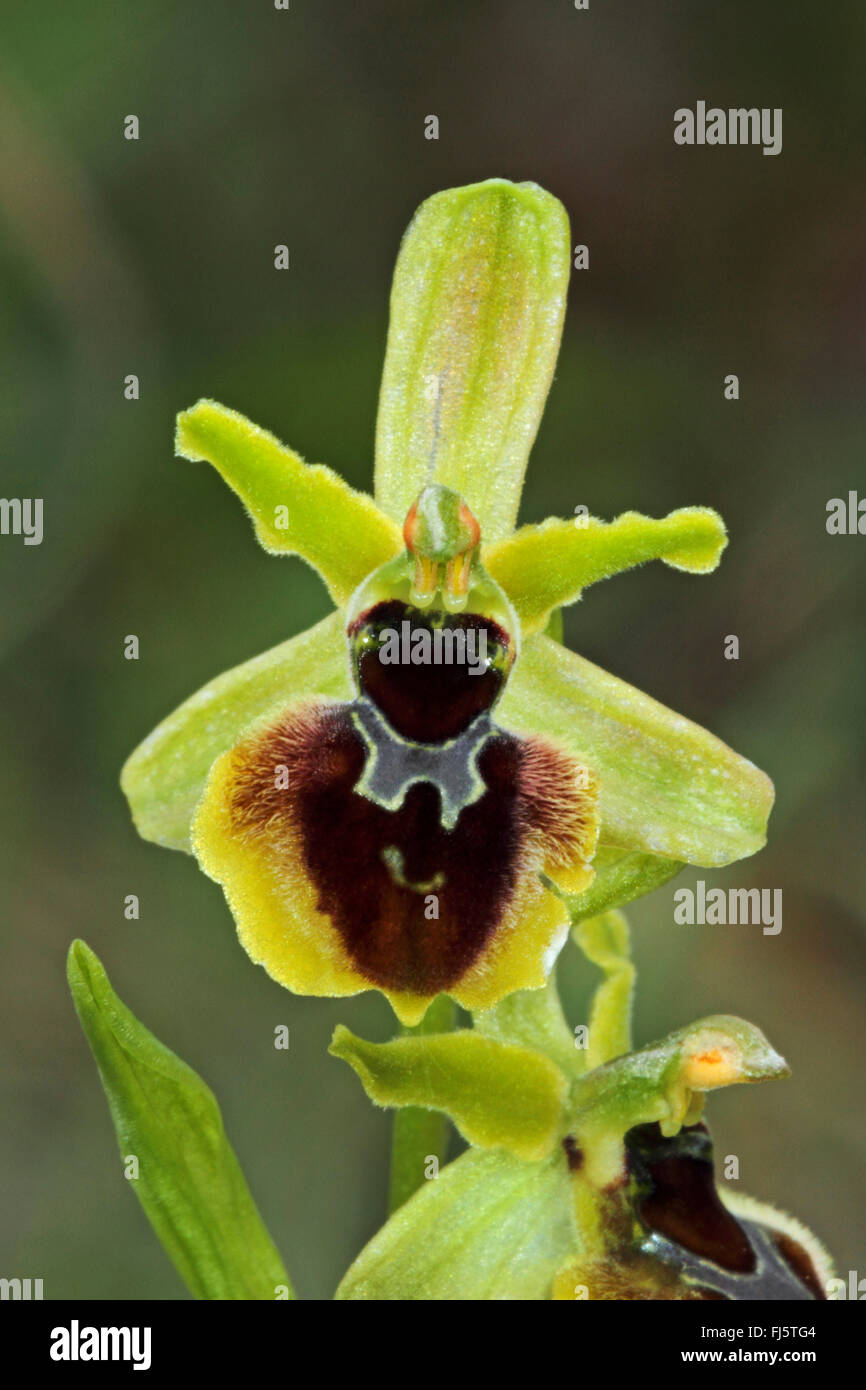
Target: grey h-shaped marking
point(395, 764)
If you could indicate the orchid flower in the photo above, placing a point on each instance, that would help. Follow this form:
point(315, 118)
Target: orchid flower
point(380, 813)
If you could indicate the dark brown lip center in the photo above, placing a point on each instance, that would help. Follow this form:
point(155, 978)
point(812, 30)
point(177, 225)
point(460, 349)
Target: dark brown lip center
point(449, 667)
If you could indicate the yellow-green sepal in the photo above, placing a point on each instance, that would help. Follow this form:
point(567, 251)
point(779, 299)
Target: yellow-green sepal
point(499, 1095)
point(543, 567)
point(489, 1227)
point(667, 786)
point(178, 1160)
point(164, 777)
point(296, 508)
point(476, 317)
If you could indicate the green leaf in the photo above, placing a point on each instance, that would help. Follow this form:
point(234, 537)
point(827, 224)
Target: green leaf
point(476, 318)
point(620, 876)
point(189, 1181)
point(165, 777)
point(543, 567)
point(490, 1227)
point(667, 786)
point(605, 941)
point(296, 508)
point(499, 1095)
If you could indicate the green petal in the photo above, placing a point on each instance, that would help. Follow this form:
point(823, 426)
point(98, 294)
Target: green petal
point(605, 941)
point(542, 567)
point(620, 877)
point(189, 1181)
point(490, 1227)
point(476, 317)
point(296, 508)
point(165, 777)
point(667, 786)
point(533, 1018)
point(499, 1095)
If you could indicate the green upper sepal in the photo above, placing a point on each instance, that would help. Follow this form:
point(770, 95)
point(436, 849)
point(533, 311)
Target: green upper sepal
point(175, 1152)
point(477, 308)
point(499, 1095)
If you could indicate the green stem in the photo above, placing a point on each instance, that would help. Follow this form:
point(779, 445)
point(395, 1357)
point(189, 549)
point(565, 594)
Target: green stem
point(419, 1134)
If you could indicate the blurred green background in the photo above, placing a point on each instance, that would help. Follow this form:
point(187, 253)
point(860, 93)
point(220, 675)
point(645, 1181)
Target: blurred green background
point(306, 127)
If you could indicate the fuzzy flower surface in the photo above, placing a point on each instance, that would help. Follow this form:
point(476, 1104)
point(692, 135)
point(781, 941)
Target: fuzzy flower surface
point(421, 792)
